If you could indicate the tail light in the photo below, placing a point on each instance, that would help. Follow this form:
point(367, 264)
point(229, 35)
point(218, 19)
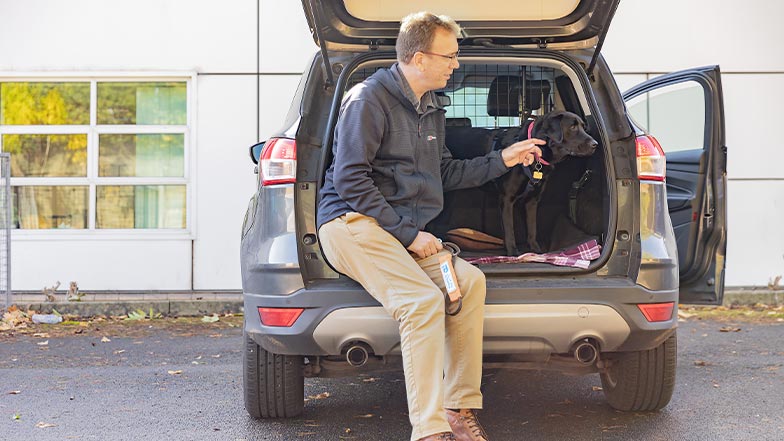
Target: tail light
point(657, 312)
point(278, 162)
point(284, 317)
point(651, 163)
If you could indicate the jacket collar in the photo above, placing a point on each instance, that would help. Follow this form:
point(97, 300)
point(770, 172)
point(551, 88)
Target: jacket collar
point(395, 82)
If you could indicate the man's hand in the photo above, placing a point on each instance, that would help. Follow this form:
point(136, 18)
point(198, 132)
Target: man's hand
point(523, 152)
point(425, 245)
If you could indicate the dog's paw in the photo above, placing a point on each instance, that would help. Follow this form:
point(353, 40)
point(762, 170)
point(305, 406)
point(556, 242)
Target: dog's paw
point(536, 248)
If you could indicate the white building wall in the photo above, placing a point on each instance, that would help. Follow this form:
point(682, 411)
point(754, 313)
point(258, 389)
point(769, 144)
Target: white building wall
point(649, 38)
point(218, 42)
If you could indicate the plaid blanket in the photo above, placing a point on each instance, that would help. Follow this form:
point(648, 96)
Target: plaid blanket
point(578, 257)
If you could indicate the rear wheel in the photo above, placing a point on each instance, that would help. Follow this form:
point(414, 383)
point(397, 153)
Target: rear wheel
point(642, 380)
point(273, 384)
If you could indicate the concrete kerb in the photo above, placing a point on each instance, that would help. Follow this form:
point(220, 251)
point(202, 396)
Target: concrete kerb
point(753, 295)
point(171, 308)
point(120, 303)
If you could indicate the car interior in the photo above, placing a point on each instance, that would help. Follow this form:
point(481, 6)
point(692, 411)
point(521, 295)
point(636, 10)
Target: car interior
point(487, 106)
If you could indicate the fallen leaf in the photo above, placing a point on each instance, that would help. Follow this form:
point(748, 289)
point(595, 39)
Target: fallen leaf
point(119, 351)
point(210, 318)
point(216, 356)
point(15, 392)
point(41, 335)
point(178, 372)
point(607, 428)
point(367, 415)
point(685, 315)
point(320, 396)
point(43, 425)
point(43, 343)
point(596, 388)
point(729, 329)
point(369, 380)
point(105, 340)
point(702, 363)
point(16, 417)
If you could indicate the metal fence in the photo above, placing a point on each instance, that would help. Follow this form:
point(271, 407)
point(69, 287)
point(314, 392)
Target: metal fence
point(5, 227)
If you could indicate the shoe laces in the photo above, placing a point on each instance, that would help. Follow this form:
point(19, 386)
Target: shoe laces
point(447, 436)
point(473, 424)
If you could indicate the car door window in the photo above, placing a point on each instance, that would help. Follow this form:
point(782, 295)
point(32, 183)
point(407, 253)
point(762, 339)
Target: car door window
point(674, 114)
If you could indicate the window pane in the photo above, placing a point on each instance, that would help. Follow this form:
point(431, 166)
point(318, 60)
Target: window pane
point(141, 103)
point(141, 206)
point(47, 155)
point(39, 207)
point(142, 155)
point(674, 114)
point(44, 103)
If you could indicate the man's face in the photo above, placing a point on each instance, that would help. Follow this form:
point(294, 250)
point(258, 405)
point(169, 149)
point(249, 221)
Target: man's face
point(436, 61)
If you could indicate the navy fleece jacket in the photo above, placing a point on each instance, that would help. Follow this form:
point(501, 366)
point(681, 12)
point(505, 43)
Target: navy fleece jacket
point(391, 163)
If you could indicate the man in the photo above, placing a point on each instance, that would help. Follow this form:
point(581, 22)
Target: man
point(385, 184)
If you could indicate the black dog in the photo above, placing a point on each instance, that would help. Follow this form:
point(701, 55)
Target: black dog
point(566, 136)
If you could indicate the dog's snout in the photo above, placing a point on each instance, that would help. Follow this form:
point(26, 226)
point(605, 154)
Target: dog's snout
point(593, 144)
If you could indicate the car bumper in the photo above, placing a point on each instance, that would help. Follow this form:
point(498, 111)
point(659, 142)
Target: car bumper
point(518, 320)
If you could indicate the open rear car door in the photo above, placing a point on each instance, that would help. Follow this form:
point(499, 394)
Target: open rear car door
point(684, 110)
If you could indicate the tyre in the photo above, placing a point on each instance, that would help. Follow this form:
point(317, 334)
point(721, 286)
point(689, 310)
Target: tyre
point(273, 384)
point(642, 380)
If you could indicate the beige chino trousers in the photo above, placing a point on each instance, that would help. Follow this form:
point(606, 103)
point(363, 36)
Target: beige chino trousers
point(442, 355)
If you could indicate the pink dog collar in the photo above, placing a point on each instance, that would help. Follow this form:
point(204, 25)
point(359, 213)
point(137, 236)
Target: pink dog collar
point(530, 135)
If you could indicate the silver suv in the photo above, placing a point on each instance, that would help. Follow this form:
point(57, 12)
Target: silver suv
point(661, 222)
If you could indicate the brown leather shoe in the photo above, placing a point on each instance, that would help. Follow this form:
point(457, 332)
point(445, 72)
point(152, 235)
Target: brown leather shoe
point(444, 436)
point(465, 425)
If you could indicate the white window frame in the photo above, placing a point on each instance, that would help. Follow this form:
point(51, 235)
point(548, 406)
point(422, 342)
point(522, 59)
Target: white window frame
point(92, 180)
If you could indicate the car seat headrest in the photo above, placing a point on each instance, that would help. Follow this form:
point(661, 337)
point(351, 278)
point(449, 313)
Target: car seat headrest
point(503, 98)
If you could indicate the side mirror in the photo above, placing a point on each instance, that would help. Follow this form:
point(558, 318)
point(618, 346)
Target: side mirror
point(255, 151)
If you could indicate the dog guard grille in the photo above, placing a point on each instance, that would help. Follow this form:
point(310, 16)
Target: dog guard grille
point(491, 95)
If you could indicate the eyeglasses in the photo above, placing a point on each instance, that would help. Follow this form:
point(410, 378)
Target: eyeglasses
point(452, 57)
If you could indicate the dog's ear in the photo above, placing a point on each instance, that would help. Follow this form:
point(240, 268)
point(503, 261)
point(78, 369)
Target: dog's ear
point(553, 129)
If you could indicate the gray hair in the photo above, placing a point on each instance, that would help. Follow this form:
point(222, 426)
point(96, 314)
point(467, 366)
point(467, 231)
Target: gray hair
point(417, 32)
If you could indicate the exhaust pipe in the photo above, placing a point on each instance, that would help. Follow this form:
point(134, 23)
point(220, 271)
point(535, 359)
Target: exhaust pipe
point(585, 352)
point(357, 355)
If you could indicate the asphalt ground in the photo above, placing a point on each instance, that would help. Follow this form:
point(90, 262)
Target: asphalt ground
point(183, 381)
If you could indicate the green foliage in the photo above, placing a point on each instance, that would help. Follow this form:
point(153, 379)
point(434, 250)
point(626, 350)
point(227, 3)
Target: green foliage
point(35, 103)
point(139, 314)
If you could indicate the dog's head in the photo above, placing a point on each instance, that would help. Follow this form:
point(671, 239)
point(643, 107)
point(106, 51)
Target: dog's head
point(565, 135)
